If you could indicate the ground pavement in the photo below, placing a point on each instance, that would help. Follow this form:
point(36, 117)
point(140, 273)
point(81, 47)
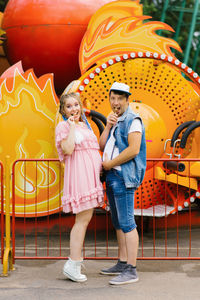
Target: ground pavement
point(43, 280)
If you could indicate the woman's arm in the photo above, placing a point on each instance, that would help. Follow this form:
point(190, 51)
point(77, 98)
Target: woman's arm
point(103, 138)
point(68, 144)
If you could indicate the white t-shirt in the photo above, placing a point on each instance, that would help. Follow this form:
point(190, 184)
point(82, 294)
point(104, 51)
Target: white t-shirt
point(135, 126)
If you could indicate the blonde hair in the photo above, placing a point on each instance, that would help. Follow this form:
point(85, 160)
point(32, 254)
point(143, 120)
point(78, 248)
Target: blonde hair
point(63, 99)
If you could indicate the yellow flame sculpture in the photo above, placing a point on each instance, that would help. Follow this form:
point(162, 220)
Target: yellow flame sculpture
point(160, 93)
point(27, 114)
point(117, 28)
point(118, 46)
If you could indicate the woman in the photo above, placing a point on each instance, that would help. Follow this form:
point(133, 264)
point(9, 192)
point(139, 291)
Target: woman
point(78, 147)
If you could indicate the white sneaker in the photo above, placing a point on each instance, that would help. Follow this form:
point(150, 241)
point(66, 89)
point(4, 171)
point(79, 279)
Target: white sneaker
point(72, 270)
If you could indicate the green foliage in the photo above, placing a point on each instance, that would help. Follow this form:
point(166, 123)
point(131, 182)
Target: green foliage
point(3, 5)
point(149, 8)
point(154, 8)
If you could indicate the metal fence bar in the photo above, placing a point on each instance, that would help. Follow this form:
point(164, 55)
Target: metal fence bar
point(142, 229)
point(190, 218)
point(13, 210)
point(36, 189)
point(154, 221)
point(2, 210)
point(159, 242)
point(35, 220)
point(24, 208)
point(60, 235)
point(8, 253)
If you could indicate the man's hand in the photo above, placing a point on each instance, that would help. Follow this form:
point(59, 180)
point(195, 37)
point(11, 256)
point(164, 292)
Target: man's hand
point(111, 120)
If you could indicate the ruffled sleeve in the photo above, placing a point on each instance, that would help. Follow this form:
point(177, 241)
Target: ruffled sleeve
point(61, 133)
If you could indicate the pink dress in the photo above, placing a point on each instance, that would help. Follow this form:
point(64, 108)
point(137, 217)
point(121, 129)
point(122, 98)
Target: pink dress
point(82, 187)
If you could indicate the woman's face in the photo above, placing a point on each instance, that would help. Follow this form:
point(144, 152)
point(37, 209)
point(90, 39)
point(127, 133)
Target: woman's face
point(72, 108)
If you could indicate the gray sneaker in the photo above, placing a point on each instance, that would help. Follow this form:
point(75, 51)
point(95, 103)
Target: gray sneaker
point(128, 275)
point(115, 270)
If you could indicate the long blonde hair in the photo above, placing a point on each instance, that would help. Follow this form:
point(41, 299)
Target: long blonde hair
point(64, 97)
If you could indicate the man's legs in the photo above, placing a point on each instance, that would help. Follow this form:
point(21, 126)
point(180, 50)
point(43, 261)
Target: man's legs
point(128, 241)
point(121, 201)
point(112, 182)
point(121, 240)
point(128, 245)
point(132, 241)
point(122, 254)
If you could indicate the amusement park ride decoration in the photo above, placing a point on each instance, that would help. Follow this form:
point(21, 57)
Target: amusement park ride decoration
point(46, 35)
point(27, 119)
point(117, 46)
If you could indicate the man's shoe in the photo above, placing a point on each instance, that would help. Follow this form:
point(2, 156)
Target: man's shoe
point(115, 270)
point(128, 275)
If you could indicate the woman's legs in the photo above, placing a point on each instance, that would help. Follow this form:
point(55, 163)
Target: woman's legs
point(77, 234)
point(72, 268)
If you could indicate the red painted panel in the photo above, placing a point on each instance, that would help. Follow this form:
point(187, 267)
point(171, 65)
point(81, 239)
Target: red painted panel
point(46, 35)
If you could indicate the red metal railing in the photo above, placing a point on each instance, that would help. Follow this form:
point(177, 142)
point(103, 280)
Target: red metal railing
point(182, 223)
point(172, 235)
point(2, 211)
point(35, 223)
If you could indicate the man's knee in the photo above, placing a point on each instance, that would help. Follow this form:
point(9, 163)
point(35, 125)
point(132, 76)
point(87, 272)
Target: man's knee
point(128, 227)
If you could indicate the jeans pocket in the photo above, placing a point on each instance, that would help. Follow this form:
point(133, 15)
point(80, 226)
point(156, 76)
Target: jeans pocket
point(118, 174)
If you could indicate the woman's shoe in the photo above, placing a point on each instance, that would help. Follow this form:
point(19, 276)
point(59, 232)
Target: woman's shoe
point(72, 270)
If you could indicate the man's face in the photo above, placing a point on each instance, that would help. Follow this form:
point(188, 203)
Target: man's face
point(118, 103)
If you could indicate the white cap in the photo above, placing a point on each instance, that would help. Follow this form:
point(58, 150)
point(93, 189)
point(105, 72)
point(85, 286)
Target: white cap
point(122, 87)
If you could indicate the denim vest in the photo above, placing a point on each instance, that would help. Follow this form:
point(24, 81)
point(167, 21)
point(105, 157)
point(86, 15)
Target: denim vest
point(133, 170)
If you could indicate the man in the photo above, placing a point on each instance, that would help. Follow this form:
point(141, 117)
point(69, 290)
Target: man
point(124, 158)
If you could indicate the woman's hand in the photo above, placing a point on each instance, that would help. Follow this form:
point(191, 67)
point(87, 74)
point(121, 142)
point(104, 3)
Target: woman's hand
point(68, 144)
point(71, 121)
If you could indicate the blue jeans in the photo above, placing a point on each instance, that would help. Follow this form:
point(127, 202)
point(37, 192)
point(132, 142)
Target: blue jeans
point(121, 200)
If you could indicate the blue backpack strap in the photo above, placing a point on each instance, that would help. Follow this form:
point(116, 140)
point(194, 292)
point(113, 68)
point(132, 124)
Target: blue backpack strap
point(86, 121)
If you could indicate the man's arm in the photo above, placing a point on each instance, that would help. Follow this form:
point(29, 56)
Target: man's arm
point(134, 142)
point(111, 120)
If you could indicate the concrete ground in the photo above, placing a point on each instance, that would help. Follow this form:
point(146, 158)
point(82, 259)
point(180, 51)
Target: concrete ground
point(159, 279)
point(42, 280)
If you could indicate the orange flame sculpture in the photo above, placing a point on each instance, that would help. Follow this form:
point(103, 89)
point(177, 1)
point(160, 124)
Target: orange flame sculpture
point(118, 46)
point(117, 28)
point(27, 113)
point(123, 48)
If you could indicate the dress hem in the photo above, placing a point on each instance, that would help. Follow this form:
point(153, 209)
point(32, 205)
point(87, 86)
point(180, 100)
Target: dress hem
point(98, 202)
